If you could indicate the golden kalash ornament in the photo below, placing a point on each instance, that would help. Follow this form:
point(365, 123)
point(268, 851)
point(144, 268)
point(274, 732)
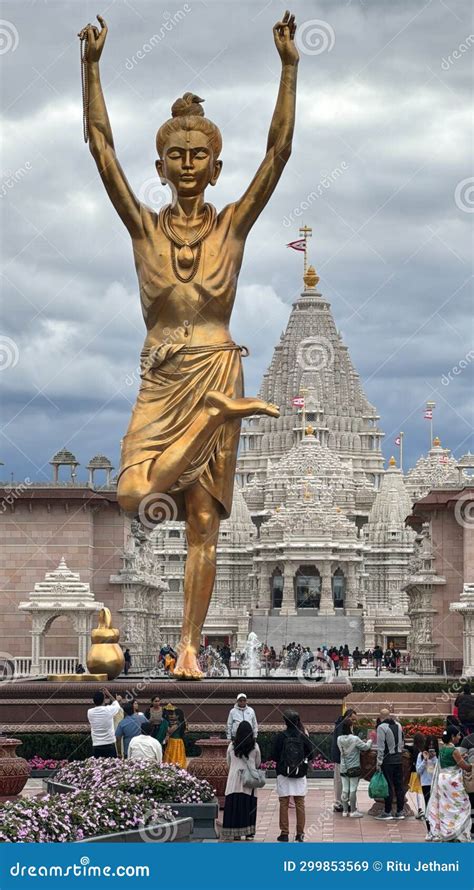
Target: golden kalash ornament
point(179, 453)
point(105, 656)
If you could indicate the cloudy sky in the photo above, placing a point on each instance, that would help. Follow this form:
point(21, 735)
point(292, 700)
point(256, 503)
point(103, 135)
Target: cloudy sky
point(382, 138)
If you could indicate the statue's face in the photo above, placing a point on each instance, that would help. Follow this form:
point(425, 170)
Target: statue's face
point(188, 163)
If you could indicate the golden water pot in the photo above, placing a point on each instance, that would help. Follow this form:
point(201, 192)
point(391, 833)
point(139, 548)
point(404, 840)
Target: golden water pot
point(105, 656)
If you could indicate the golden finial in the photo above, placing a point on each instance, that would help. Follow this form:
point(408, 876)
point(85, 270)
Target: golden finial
point(392, 462)
point(310, 278)
point(436, 442)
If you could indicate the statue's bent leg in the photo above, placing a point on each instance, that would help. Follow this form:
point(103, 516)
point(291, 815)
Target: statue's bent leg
point(202, 531)
point(159, 474)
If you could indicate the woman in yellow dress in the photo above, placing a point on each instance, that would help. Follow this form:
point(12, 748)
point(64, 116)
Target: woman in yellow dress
point(175, 750)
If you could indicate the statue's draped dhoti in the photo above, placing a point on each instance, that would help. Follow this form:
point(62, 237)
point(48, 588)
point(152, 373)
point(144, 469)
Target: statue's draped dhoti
point(174, 381)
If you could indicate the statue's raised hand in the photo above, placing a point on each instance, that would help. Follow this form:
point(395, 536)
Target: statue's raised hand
point(284, 34)
point(95, 39)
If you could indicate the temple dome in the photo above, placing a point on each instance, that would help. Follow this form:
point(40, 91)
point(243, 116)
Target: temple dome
point(433, 470)
point(386, 523)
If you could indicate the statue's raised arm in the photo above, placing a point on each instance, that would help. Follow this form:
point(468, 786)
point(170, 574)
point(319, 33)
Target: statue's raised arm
point(101, 141)
point(252, 202)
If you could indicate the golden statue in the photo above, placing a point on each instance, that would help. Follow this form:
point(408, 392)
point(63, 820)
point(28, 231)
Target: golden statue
point(181, 443)
point(105, 656)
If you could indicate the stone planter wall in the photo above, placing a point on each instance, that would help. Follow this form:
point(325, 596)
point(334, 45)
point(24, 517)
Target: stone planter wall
point(179, 831)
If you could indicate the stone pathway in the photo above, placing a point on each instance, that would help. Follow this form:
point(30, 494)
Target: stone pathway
point(325, 826)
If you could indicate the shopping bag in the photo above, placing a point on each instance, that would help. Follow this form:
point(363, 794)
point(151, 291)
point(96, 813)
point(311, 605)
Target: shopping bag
point(378, 786)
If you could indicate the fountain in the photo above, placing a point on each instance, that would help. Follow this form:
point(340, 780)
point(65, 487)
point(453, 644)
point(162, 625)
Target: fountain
point(251, 662)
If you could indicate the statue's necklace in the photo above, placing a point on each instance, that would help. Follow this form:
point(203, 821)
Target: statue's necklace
point(181, 248)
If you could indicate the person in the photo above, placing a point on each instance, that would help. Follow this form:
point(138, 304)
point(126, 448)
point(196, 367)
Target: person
point(426, 763)
point(80, 669)
point(335, 658)
point(336, 758)
point(175, 751)
point(184, 432)
point(145, 747)
point(378, 657)
point(357, 656)
point(241, 711)
point(137, 713)
point(154, 714)
point(292, 751)
point(414, 784)
point(350, 746)
point(449, 808)
point(170, 662)
point(128, 661)
point(128, 727)
point(389, 761)
point(101, 720)
point(465, 706)
point(225, 654)
point(345, 657)
point(240, 808)
point(273, 658)
point(467, 750)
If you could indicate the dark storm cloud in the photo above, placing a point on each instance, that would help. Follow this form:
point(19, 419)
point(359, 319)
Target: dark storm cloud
point(381, 145)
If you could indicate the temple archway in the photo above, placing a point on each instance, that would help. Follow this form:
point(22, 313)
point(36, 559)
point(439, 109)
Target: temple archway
point(307, 583)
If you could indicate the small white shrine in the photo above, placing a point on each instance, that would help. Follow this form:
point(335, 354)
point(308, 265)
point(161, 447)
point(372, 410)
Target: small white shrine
point(61, 593)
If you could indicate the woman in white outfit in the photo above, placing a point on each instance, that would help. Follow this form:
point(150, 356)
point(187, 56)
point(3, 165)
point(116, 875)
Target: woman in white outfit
point(240, 810)
point(350, 746)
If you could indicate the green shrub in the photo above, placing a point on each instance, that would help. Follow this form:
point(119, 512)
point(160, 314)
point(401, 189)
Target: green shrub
point(60, 745)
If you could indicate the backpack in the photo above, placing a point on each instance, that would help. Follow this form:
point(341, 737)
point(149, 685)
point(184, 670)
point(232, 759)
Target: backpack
point(295, 764)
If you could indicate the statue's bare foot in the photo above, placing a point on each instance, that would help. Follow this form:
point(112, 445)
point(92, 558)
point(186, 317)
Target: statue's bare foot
point(217, 402)
point(187, 667)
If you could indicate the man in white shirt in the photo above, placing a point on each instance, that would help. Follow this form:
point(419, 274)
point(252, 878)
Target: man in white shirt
point(241, 711)
point(101, 719)
point(145, 747)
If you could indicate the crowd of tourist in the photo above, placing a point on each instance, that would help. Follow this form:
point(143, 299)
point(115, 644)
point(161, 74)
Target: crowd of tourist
point(120, 729)
point(440, 783)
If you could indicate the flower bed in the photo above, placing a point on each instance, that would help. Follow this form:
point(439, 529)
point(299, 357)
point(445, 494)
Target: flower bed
point(78, 816)
point(166, 784)
point(427, 729)
point(42, 767)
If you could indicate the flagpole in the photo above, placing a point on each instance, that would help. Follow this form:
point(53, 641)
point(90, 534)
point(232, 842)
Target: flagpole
point(401, 451)
point(430, 406)
point(306, 232)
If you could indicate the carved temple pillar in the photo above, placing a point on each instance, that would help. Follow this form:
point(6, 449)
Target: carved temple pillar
point(288, 603)
point(326, 603)
point(352, 589)
point(465, 608)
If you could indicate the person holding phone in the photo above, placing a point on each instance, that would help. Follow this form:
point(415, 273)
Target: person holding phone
point(426, 763)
